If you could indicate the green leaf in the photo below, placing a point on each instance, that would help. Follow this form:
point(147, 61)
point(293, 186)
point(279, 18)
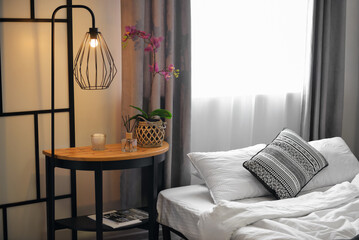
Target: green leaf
point(136, 116)
point(145, 115)
point(124, 44)
point(163, 113)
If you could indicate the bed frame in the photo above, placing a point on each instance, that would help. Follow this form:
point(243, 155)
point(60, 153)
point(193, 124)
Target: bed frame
point(166, 231)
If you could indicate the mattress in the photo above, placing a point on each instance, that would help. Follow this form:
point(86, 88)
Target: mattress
point(180, 208)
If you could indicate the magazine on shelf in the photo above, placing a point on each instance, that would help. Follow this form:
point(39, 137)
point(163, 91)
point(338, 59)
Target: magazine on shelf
point(121, 218)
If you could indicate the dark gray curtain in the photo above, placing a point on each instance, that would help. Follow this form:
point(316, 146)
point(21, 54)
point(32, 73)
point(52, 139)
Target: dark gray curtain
point(170, 19)
point(324, 93)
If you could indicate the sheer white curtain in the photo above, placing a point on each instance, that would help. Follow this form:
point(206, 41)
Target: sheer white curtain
point(249, 63)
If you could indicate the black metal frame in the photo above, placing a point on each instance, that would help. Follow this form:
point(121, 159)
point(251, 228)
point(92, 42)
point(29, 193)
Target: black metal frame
point(36, 113)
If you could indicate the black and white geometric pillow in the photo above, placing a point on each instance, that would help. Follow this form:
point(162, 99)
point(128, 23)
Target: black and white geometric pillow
point(286, 165)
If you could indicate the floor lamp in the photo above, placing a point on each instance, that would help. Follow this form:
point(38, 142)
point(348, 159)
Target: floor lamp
point(94, 69)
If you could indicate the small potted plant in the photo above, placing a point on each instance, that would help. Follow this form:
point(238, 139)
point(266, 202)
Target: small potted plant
point(150, 129)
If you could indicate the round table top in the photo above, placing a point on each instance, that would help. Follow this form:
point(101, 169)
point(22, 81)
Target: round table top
point(112, 152)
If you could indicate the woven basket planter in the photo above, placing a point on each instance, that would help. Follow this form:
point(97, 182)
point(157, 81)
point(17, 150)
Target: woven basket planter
point(150, 134)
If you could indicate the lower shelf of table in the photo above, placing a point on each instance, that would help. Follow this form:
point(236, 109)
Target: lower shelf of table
point(84, 223)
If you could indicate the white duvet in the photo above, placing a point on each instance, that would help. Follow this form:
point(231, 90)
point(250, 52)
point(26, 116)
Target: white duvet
point(333, 214)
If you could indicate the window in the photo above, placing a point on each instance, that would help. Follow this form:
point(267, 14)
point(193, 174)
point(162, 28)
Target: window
point(249, 47)
point(249, 64)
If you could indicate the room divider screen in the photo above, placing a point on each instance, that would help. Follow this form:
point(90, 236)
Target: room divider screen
point(35, 114)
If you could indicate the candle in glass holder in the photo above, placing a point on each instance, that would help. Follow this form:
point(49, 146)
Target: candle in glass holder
point(98, 141)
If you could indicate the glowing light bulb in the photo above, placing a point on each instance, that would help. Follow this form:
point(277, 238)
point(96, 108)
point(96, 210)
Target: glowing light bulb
point(93, 43)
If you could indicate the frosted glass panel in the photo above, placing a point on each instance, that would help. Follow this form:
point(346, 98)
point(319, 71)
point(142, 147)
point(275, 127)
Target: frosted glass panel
point(28, 218)
point(44, 8)
point(26, 71)
point(15, 9)
point(17, 165)
point(21, 8)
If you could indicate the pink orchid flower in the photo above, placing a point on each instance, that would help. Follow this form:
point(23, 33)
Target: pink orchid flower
point(143, 35)
point(156, 41)
point(153, 43)
point(167, 76)
point(155, 67)
point(171, 67)
point(149, 48)
point(130, 30)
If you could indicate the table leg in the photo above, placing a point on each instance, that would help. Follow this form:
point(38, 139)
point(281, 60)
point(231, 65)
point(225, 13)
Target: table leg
point(50, 198)
point(73, 201)
point(152, 200)
point(99, 204)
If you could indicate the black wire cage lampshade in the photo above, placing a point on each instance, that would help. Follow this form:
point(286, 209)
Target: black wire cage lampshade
point(94, 67)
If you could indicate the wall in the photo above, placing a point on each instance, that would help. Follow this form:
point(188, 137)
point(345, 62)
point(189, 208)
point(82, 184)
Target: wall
point(351, 86)
point(25, 55)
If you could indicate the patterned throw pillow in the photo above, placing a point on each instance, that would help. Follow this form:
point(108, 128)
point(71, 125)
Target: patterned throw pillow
point(286, 165)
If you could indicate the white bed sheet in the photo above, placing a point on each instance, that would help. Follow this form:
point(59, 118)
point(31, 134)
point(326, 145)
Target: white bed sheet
point(180, 208)
point(328, 215)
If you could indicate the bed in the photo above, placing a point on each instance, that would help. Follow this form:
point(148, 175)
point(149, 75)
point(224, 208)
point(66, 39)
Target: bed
point(325, 207)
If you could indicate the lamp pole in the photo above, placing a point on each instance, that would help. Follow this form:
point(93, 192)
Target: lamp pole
point(50, 189)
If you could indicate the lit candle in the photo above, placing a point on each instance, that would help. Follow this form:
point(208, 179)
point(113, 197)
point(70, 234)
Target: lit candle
point(98, 141)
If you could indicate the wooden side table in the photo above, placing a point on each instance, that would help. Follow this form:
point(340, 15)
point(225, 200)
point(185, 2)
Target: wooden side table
point(112, 158)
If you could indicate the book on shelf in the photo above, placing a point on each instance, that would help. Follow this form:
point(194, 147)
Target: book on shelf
point(121, 218)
